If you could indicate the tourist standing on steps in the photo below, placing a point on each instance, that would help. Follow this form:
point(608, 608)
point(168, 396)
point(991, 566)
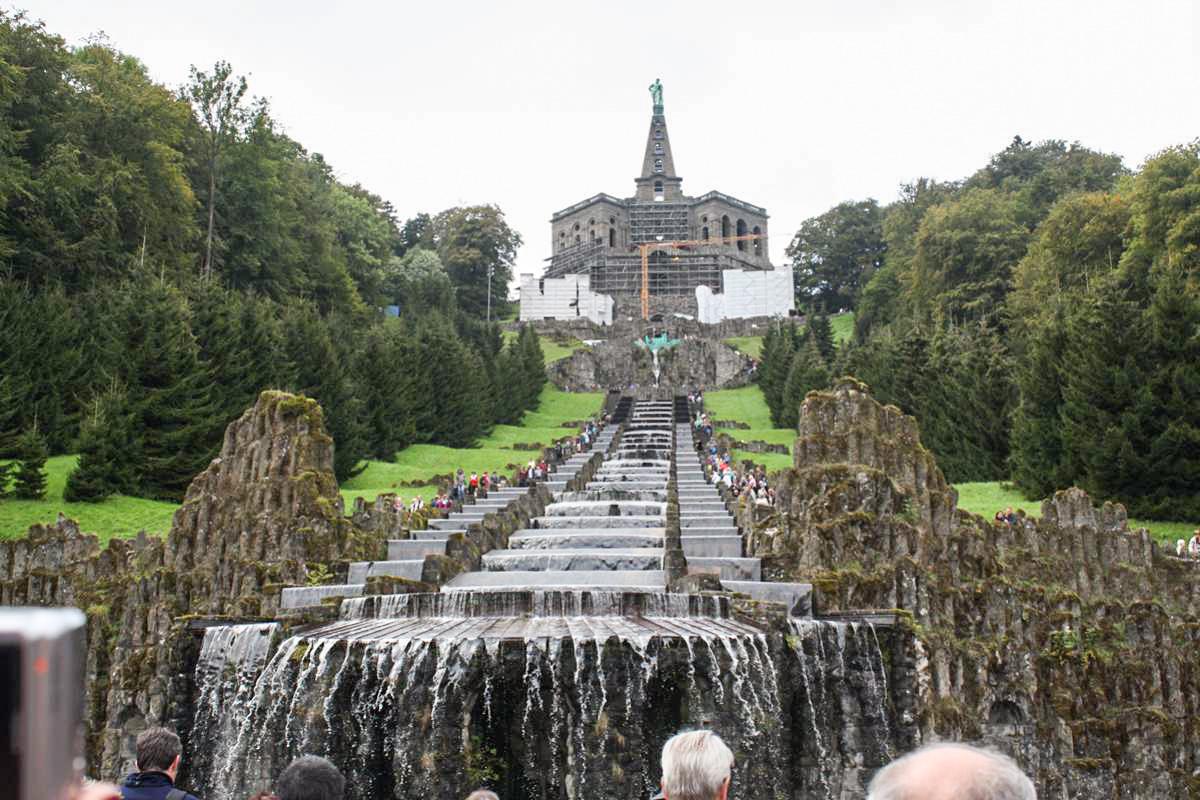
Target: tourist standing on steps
point(310, 778)
point(1194, 545)
point(696, 765)
point(948, 771)
point(158, 757)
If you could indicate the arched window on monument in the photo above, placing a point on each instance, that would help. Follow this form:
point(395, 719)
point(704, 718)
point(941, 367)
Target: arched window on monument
point(658, 190)
point(725, 227)
point(658, 167)
point(658, 148)
point(704, 233)
point(612, 237)
point(758, 243)
point(741, 231)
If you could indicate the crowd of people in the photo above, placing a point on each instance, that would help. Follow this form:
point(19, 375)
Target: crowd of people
point(747, 485)
point(696, 765)
point(1189, 548)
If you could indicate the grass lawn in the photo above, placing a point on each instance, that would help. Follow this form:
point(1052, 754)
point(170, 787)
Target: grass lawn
point(986, 499)
point(750, 345)
point(424, 463)
point(551, 350)
point(747, 405)
point(117, 516)
point(842, 325)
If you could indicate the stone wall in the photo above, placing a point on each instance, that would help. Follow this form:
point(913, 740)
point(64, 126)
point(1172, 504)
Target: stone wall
point(1070, 641)
point(699, 363)
point(260, 516)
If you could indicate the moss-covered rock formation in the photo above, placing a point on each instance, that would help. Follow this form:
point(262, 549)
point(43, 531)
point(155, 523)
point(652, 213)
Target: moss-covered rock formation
point(262, 515)
point(1070, 641)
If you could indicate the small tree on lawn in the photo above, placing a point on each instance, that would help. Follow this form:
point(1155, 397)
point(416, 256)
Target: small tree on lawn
point(31, 467)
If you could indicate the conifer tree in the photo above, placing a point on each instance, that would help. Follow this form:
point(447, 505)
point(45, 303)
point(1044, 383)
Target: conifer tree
point(775, 371)
point(109, 451)
point(818, 328)
point(808, 372)
point(29, 482)
point(169, 393)
point(533, 366)
point(318, 371)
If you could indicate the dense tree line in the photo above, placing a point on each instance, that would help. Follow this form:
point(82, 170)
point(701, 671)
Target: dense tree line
point(167, 254)
point(1041, 318)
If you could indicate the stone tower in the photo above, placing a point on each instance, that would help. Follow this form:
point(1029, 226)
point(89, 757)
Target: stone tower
point(658, 181)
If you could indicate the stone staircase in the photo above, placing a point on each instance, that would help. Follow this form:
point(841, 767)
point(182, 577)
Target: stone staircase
point(406, 557)
point(607, 536)
point(710, 536)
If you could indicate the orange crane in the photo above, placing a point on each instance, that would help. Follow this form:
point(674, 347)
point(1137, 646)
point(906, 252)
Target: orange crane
point(683, 244)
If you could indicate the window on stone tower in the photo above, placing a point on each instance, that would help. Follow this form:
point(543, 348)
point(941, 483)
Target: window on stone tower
point(658, 165)
point(658, 147)
point(741, 231)
point(704, 233)
point(724, 227)
point(758, 251)
point(658, 133)
point(658, 190)
point(612, 237)
point(577, 238)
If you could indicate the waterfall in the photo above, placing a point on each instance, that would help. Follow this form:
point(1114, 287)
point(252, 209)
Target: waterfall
point(844, 702)
point(657, 369)
point(580, 716)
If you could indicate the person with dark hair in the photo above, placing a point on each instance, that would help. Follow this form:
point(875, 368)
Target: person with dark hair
point(310, 778)
point(158, 756)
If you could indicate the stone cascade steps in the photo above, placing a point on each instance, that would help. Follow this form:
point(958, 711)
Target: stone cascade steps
point(609, 539)
point(406, 557)
point(711, 539)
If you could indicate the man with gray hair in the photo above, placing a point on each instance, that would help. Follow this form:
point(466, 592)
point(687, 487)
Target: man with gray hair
point(948, 771)
point(696, 765)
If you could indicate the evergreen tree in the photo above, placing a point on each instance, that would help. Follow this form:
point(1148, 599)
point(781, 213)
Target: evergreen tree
point(169, 393)
point(533, 366)
point(818, 328)
point(109, 451)
point(775, 370)
point(318, 371)
point(30, 479)
point(807, 372)
point(509, 387)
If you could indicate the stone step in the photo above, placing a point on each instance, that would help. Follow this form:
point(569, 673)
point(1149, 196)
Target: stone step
point(567, 523)
point(553, 580)
point(446, 525)
point(701, 546)
point(705, 521)
point(306, 596)
point(601, 558)
point(796, 596)
point(715, 530)
point(408, 568)
point(587, 539)
point(692, 507)
point(734, 569)
point(605, 508)
point(403, 549)
point(437, 533)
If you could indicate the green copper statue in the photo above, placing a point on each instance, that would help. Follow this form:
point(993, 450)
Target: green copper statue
point(656, 92)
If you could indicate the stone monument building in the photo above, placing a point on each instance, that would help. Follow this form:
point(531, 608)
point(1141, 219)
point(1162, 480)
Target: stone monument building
point(596, 267)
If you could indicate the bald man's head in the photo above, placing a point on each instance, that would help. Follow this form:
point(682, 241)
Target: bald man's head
point(952, 772)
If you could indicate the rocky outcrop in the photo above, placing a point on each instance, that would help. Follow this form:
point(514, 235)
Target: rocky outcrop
point(265, 510)
point(694, 363)
point(1069, 641)
point(263, 513)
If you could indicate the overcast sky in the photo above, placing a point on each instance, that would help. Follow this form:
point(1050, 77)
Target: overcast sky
point(794, 106)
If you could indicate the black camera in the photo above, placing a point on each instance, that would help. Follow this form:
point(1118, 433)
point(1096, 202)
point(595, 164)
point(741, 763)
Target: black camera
point(41, 701)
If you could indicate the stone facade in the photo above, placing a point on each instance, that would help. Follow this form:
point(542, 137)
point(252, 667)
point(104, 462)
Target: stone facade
point(599, 237)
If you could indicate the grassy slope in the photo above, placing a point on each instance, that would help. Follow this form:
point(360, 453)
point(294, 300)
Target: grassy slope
point(125, 516)
point(842, 324)
point(551, 350)
point(421, 463)
point(986, 499)
point(116, 516)
point(747, 405)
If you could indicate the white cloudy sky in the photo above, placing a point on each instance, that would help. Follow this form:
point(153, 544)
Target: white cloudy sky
point(794, 106)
